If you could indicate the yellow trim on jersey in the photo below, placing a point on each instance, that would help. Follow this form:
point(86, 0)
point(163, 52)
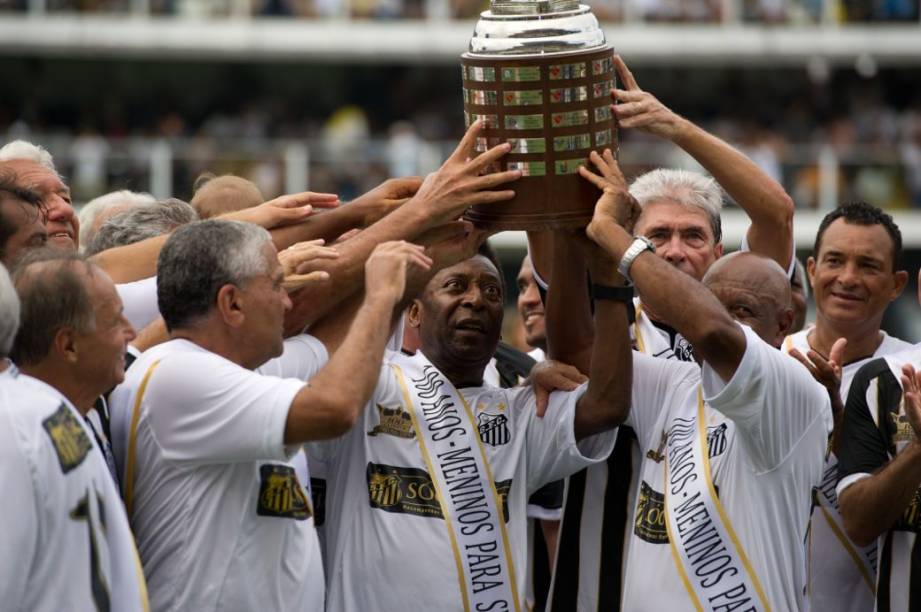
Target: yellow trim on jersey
point(492, 486)
point(132, 440)
point(637, 334)
point(428, 462)
point(846, 544)
point(702, 431)
point(671, 546)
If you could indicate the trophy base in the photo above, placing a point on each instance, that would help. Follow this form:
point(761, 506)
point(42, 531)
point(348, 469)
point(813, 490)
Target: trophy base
point(566, 202)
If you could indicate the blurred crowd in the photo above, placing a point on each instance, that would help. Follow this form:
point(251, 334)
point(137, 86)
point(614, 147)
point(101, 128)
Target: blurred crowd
point(658, 11)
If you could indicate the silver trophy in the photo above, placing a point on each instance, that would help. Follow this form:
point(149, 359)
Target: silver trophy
point(539, 74)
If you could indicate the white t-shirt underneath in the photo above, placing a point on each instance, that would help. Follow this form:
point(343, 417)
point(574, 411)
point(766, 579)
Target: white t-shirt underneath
point(221, 519)
point(766, 435)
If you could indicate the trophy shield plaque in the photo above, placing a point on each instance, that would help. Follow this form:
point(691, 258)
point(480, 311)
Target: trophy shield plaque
point(539, 74)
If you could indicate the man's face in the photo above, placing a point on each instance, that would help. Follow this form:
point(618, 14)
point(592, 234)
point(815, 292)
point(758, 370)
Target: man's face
point(61, 220)
point(103, 347)
point(264, 303)
point(852, 276)
point(747, 305)
point(530, 307)
point(460, 313)
point(30, 229)
point(682, 236)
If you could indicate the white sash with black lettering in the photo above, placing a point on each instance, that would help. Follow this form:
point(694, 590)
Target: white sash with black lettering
point(710, 559)
point(447, 434)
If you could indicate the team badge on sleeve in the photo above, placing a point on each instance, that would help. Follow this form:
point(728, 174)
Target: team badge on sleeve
point(280, 493)
point(68, 437)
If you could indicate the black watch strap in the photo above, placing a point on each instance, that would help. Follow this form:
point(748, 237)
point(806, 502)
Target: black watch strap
point(617, 294)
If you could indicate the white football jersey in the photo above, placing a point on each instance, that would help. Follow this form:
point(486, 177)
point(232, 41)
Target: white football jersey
point(222, 519)
point(65, 542)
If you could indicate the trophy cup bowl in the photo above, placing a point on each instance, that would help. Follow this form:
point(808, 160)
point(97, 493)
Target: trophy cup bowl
point(539, 74)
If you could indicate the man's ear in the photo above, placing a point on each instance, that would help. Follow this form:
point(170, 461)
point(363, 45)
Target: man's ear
point(785, 323)
point(65, 344)
point(718, 250)
point(230, 304)
point(414, 314)
point(900, 278)
point(810, 272)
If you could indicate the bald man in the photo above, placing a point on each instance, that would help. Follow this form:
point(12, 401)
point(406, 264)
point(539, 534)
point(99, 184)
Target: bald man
point(731, 448)
point(216, 195)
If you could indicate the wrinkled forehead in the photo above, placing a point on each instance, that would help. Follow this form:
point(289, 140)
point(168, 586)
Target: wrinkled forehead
point(672, 214)
point(477, 267)
point(32, 175)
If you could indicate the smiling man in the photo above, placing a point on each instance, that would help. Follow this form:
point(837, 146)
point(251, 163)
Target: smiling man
point(531, 310)
point(855, 274)
point(35, 171)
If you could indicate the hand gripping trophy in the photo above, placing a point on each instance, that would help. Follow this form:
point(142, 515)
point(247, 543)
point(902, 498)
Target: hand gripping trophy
point(539, 73)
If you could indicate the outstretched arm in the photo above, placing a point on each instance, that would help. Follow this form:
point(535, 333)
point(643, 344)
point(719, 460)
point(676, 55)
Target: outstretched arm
point(676, 297)
point(761, 197)
point(330, 405)
point(443, 197)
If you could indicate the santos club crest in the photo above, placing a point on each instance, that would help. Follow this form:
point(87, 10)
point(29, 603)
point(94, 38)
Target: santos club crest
point(493, 428)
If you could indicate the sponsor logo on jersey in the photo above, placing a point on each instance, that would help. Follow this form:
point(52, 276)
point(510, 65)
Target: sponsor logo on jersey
point(405, 490)
point(393, 422)
point(70, 441)
point(493, 428)
point(902, 430)
point(650, 516)
point(281, 494)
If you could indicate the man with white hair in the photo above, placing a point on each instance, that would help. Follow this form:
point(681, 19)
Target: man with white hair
point(35, 170)
point(680, 217)
point(66, 539)
point(97, 211)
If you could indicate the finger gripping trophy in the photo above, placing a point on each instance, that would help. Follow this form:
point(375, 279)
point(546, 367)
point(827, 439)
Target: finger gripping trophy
point(539, 74)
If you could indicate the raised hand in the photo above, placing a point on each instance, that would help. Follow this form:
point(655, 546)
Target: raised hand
point(635, 108)
point(285, 210)
point(549, 376)
point(463, 181)
point(388, 266)
point(911, 388)
point(615, 202)
point(294, 257)
point(453, 242)
point(826, 371)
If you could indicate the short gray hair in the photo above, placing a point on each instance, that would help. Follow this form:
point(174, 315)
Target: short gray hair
point(21, 149)
point(140, 223)
point(199, 259)
point(94, 210)
point(53, 294)
point(688, 188)
point(9, 313)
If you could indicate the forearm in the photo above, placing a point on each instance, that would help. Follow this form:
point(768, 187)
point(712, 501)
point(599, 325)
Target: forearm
point(328, 225)
point(568, 318)
point(133, 262)
point(330, 406)
point(872, 505)
point(682, 302)
point(761, 197)
point(606, 402)
point(347, 272)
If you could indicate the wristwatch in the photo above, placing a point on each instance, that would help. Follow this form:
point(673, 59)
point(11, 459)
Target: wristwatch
point(640, 244)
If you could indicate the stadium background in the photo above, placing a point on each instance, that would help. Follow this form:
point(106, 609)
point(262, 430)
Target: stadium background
point(336, 95)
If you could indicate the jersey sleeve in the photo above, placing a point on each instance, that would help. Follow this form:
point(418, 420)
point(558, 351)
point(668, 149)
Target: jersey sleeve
point(773, 401)
point(547, 502)
point(553, 452)
point(19, 516)
point(205, 409)
point(863, 444)
point(302, 358)
point(657, 383)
